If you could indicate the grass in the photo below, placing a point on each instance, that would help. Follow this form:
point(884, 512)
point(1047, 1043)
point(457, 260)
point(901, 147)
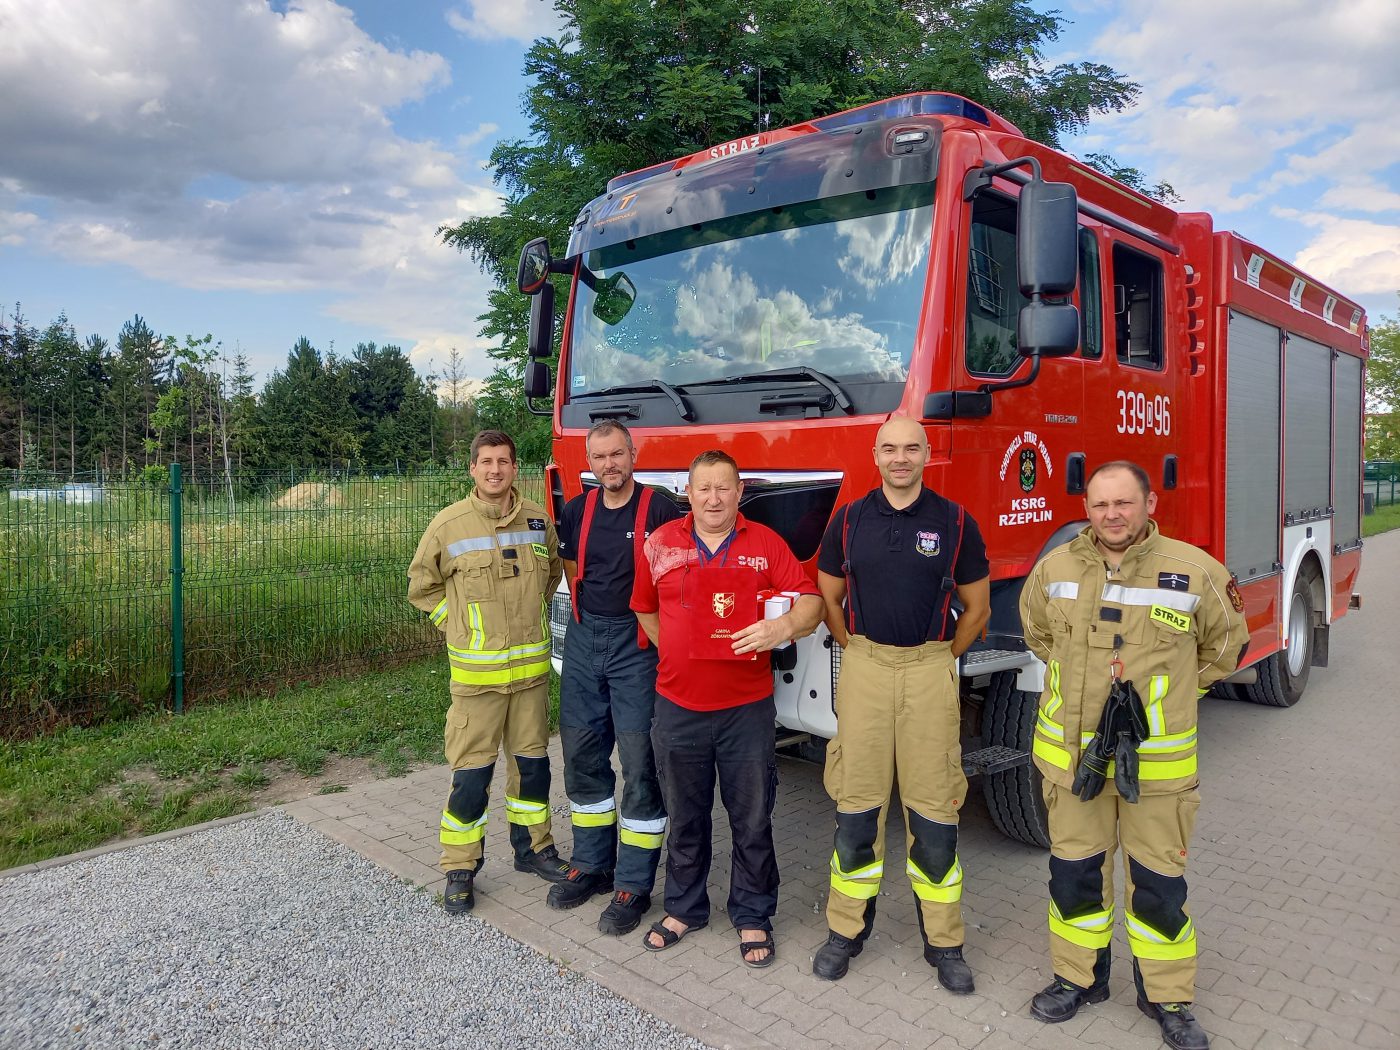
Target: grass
point(1383, 519)
point(82, 787)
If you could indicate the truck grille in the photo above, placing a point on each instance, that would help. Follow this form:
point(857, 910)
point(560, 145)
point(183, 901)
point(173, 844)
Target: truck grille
point(561, 611)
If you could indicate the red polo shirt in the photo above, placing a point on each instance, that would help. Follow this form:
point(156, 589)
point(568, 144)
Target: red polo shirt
point(710, 685)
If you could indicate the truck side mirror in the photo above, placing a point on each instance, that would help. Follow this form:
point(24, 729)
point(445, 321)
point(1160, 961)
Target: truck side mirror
point(537, 380)
point(1047, 265)
point(535, 261)
point(1047, 230)
point(540, 342)
point(1047, 329)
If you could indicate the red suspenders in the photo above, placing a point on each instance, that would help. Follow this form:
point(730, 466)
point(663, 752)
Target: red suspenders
point(639, 538)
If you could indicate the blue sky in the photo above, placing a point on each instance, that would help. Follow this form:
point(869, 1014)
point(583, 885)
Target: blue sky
point(266, 171)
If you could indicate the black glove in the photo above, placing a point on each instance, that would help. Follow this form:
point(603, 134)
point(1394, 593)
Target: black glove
point(1122, 727)
point(1093, 771)
point(1125, 767)
point(1125, 720)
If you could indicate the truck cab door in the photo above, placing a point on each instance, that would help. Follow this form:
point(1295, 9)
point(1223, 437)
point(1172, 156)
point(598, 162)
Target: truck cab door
point(1009, 468)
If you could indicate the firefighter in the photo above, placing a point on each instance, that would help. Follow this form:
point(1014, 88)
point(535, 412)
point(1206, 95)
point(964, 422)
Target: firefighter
point(484, 572)
point(897, 557)
point(1122, 610)
point(608, 688)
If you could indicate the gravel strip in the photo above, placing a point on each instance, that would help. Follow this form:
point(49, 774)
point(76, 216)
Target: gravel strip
point(266, 934)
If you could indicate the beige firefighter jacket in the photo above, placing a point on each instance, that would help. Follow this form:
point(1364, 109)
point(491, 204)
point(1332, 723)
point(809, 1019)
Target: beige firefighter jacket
point(1169, 611)
point(485, 576)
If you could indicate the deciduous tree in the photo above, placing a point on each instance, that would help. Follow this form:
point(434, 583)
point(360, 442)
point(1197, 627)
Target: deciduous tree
point(634, 82)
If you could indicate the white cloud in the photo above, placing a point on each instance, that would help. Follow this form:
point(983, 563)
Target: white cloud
point(523, 20)
point(1356, 256)
point(1259, 113)
point(14, 227)
point(214, 145)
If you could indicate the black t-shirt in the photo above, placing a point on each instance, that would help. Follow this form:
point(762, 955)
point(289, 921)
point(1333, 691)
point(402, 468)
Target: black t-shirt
point(606, 587)
point(899, 559)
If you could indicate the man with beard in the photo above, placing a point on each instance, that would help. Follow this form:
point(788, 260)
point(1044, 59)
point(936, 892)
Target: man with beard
point(483, 572)
point(608, 688)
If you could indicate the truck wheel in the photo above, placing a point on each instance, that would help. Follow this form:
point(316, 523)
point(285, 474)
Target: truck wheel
point(1284, 675)
point(1013, 795)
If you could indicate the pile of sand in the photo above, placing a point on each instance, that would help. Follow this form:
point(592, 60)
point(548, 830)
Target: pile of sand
point(310, 495)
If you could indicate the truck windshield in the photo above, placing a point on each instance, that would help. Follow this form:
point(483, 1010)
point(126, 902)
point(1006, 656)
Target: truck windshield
point(835, 285)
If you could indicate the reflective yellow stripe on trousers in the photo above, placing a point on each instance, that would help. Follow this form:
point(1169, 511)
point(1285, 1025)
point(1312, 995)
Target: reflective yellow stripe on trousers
point(947, 891)
point(843, 881)
point(1094, 930)
point(453, 832)
point(520, 811)
point(1147, 943)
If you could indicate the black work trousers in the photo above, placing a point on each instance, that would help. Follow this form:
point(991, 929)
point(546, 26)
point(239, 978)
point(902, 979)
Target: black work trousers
point(735, 746)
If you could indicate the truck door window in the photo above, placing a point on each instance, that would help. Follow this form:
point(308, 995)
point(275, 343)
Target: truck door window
point(1137, 306)
point(994, 298)
point(1090, 297)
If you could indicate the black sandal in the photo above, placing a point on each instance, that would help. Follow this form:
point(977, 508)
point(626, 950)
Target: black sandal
point(668, 936)
point(753, 946)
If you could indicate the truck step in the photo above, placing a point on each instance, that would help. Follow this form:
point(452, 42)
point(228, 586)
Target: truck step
point(993, 759)
point(788, 739)
point(988, 661)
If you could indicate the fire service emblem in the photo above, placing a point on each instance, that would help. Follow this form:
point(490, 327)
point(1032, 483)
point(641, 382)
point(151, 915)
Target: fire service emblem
point(1027, 469)
point(927, 544)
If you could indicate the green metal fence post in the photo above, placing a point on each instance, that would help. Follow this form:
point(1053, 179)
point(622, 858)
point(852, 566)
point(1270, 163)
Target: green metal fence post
point(177, 594)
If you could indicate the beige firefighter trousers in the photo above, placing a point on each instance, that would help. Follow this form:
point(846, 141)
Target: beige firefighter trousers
point(897, 721)
point(1155, 833)
point(476, 727)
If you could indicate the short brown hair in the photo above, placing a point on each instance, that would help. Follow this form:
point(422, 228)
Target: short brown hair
point(492, 439)
point(1124, 464)
point(711, 458)
point(608, 426)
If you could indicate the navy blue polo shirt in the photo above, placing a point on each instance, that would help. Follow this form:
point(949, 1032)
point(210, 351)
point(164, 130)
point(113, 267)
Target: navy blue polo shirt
point(898, 561)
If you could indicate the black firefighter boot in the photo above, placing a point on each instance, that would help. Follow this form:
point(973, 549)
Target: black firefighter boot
point(457, 897)
point(1180, 1029)
point(1062, 999)
point(577, 887)
point(953, 972)
point(545, 863)
point(834, 957)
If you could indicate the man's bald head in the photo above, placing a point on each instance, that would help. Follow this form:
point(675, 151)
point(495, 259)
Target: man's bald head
point(901, 450)
point(900, 430)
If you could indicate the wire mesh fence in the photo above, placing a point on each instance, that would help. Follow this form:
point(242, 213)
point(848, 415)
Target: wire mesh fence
point(1383, 491)
point(286, 576)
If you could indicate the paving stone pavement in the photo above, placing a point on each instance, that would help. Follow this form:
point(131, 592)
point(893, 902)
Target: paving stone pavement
point(1295, 889)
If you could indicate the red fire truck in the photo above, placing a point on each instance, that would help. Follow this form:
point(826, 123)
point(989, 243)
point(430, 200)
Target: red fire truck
point(782, 295)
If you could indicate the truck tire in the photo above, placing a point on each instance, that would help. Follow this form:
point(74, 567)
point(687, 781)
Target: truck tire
point(1284, 675)
point(1013, 795)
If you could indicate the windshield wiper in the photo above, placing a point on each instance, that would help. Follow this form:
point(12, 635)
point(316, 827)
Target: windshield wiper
point(645, 386)
point(797, 372)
